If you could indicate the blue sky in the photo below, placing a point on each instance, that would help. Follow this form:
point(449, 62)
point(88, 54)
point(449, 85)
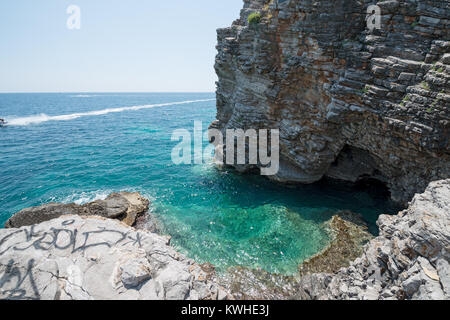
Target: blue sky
point(122, 46)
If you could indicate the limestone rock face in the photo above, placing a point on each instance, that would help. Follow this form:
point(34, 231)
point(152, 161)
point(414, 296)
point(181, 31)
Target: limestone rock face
point(409, 260)
point(124, 206)
point(81, 258)
point(350, 103)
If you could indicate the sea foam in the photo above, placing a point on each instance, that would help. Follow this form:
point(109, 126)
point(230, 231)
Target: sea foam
point(35, 119)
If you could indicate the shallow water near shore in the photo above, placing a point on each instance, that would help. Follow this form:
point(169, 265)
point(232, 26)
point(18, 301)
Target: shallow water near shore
point(81, 147)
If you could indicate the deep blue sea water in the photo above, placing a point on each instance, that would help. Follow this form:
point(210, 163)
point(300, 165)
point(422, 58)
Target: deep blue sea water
point(57, 148)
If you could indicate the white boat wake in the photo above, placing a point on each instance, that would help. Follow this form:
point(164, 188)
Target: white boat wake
point(24, 121)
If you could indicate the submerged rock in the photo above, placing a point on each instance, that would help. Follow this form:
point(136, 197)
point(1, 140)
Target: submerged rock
point(75, 257)
point(124, 206)
point(349, 233)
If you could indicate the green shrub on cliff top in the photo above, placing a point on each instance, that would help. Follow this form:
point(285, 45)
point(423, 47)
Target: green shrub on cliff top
point(254, 18)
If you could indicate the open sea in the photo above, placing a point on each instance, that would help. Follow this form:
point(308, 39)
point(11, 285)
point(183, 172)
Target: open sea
point(69, 147)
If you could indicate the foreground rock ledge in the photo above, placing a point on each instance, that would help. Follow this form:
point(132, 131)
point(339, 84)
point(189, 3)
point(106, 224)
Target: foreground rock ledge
point(74, 257)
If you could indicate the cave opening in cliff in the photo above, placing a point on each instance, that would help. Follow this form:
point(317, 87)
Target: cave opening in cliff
point(358, 166)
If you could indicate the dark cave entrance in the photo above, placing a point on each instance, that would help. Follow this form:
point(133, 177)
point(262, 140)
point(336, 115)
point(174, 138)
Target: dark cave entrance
point(359, 167)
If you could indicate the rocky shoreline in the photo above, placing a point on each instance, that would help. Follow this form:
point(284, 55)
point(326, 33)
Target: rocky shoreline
point(409, 260)
point(81, 256)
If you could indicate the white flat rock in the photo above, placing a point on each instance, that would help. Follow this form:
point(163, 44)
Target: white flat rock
point(83, 258)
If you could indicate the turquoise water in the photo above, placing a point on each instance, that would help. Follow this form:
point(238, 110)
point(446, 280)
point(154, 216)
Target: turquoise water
point(58, 148)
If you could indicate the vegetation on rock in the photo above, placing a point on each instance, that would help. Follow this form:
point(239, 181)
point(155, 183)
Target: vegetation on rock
point(254, 18)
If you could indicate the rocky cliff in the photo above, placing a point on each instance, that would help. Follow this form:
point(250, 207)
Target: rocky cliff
point(350, 103)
